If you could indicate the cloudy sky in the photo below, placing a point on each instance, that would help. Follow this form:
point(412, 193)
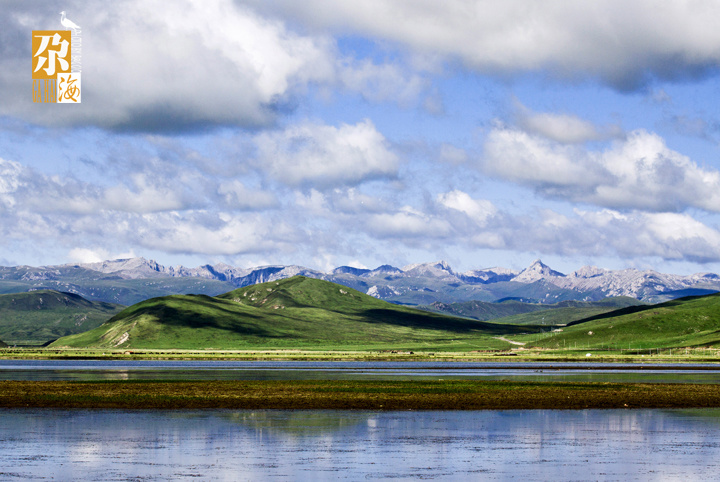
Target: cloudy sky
point(331, 132)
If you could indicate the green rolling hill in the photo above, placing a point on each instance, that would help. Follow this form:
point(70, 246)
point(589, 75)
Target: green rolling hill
point(38, 317)
point(297, 312)
point(685, 322)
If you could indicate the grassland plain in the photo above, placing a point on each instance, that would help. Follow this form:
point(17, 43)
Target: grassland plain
point(39, 317)
point(365, 395)
point(299, 312)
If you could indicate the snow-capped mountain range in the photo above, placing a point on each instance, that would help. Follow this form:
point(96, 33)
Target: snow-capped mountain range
point(422, 283)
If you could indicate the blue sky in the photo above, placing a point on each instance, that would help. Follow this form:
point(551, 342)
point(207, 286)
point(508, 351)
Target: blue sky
point(326, 133)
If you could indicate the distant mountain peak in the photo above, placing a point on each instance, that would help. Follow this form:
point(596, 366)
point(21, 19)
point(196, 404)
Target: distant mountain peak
point(537, 264)
point(439, 270)
point(386, 268)
point(436, 265)
point(350, 270)
point(130, 268)
point(223, 267)
point(537, 271)
point(589, 272)
point(489, 275)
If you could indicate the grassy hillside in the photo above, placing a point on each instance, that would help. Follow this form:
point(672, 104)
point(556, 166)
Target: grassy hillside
point(297, 312)
point(686, 322)
point(520, 313)
point(38, 317)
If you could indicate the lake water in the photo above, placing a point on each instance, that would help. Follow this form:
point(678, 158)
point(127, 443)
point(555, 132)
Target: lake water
point(289, 370)
point(330, 445)
point(353, 445)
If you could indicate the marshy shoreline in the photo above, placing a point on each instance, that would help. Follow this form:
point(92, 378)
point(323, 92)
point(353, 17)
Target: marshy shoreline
point(354, 395)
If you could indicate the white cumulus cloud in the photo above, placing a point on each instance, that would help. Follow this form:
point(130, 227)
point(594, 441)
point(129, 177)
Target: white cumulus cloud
point(623, 43)
point(529, 159)
point(670, 236)
point(637, 172)
point(173, 66)
point(479, 210)
point(407, 223)
point(188, 65)
point(238, 196)
point(326, 156)
point(564, 128)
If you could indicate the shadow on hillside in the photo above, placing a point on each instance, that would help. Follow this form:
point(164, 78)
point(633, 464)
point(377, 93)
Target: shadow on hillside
point(206, 313)
point(637, 309)
point(612, 314)
point(430, 322)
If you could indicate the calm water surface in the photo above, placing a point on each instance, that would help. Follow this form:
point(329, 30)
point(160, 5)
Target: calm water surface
point(331, 445)
point(291, 370)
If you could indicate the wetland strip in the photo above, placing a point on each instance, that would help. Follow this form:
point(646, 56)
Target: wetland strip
point(354, 395)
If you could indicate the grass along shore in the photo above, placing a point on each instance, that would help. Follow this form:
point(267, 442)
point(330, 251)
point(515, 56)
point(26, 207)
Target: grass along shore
point(519, 354)
point(355, 395)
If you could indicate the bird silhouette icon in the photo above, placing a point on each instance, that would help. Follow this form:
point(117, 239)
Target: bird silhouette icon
point(67, 23)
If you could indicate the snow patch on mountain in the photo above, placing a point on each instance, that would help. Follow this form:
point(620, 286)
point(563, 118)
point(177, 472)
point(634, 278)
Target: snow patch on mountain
point(382, 292)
